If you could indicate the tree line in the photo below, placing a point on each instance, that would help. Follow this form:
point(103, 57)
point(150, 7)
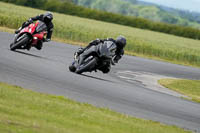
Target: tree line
point(67, 7)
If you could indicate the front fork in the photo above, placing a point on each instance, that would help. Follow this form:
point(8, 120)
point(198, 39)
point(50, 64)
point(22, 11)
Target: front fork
point(15, 38)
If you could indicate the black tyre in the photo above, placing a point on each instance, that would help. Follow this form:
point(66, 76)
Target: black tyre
point(24, 40)
point(87, 66)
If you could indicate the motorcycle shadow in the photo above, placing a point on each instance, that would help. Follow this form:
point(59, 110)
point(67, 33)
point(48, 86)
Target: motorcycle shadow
point(97, 78)
point(37, 56)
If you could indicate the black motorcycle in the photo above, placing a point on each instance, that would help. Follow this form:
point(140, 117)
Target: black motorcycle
point(94, 58)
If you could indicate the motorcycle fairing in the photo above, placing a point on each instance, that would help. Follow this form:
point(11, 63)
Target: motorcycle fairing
point(107, 49)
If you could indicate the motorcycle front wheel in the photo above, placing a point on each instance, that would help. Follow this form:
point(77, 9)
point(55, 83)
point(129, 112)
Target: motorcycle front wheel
point(87, 66)
point(24, 40)
point(72, 68)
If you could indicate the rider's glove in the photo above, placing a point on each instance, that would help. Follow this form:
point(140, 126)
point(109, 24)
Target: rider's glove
point(26, 24)
point(30, 21)
point(80, 51)
point(77, 53)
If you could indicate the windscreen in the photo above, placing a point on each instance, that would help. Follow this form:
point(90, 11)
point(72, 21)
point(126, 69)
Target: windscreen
point(107, 49)
point(41, 27)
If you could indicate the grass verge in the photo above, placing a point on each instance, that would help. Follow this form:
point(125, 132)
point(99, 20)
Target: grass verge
point(23, 111)
point(190, 88)
point(140, 42)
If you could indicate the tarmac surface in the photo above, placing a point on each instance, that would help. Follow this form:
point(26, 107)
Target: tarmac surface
point(129, 88)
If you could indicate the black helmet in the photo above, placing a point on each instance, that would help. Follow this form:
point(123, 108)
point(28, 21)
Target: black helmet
point(121, 41)
point(48, 17)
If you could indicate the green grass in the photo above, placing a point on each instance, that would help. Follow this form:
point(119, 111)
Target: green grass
point(189, 88)
point(140, 42)
point(25, 111)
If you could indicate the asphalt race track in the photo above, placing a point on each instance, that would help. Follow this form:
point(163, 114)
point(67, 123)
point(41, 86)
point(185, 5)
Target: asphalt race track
point(120, 90)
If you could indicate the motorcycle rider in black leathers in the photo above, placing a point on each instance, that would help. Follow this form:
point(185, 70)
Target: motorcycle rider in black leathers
point(47, 19)
point(120, 43)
